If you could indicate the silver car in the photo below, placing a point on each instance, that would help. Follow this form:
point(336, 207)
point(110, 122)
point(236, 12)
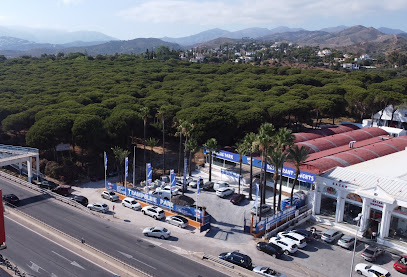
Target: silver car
point(110, 195)
point(264, 209)
point(158, 232)
point(268, 272)
point(177, 220)
point(347, 241)
point(331, 235)
point(99, 207)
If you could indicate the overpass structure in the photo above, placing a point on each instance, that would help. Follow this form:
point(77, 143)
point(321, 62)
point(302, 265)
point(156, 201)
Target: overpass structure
point(18, 155)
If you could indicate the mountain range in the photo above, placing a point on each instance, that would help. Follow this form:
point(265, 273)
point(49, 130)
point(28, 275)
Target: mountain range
point(16, 42)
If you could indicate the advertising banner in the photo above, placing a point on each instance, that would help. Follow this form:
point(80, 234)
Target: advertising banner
point(268, 222)
point(172, 179)
point(149, 173)
point(126, 168)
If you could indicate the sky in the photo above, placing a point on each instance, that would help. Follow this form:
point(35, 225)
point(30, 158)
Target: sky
point(130, 19)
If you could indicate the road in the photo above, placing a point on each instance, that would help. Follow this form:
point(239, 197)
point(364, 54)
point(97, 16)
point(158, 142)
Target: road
point(38, 256)
point(128, 247)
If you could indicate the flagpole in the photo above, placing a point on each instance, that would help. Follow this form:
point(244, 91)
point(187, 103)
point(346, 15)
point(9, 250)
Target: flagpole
point(197, 193)
point(105, 162)
point(134, 167)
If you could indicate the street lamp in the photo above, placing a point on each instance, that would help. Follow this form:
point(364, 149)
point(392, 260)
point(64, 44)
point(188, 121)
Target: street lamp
point(358, 219)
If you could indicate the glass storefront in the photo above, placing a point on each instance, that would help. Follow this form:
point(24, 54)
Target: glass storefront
point(398, 224)
point(328, 205)
point(373, 224)
point(353, 206)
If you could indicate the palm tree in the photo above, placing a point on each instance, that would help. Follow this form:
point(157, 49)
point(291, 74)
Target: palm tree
point(211, 145)
point(161, 115)
point(249, 140)
point(276, 158)
point(283, 140)
point(297, 155)
point(263, 143)
point(179, 125)
point(192, 147)
point(241, 149)
point(145, 113)
point(120, 154)
point(151, 142)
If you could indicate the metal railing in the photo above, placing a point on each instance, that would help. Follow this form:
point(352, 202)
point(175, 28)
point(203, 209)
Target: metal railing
point(17, 149)
point(9, 265)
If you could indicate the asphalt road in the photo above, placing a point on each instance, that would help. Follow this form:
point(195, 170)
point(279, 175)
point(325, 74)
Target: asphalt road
point(38, 256)
point(125, 246)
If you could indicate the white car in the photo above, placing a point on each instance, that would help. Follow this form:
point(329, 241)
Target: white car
point(168, 189)
point(177, 220)
point(131, 203)
point(158, 232)
point(331, 235)
point(99, 207)
point(220, 184)
point(287, 245)
point(266, 271)
point(154, 212)
point(225, 191)
point(110, 195)
point(298, 239)
point(371, 270)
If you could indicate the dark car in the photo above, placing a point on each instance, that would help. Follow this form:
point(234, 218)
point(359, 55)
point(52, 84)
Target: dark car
point(237, 259)
point(237, 198)
point(307, 234)
point(371, 253)
point(401, 264)
point(208, 186)
point(81, 199)
point(270, 248)
point(11, 199)
point(62, 190)
point(45, 184)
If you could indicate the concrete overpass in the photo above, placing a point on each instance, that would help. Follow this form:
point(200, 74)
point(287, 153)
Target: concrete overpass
point(17, 155)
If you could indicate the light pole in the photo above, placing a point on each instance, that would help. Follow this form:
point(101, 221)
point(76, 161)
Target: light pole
point(358, 219)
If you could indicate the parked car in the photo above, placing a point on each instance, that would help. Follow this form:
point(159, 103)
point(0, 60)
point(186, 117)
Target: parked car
point(371, 270)
point(177, 220)
point(371, 253)
point(270, 248)
point(165, 179)
point(81, 199)
point(193, 183)
point(62, 190)
point(98, 207)
point(131, 203)
point(161, 194)
point(168, 189)
point(307, 234)
point(347, 241)
point(45, 184)
point(220, 184)
point(224, 191)
point(264, 209)
point(11, 199)
point(237, 198)
point(158, 232)
point(110, 195)
point(298, 239)
point(331, 235)
point(401, 264)
point(180, 186)
point(268, 272)
point(153, 211)
point(237, 258)
point(208, 186)
point(287, 245)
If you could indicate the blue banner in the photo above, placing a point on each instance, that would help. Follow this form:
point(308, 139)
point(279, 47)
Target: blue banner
point(172, 179)
point(149, 173)
point(268, 222)
point(287, 171)
point(230, 173)
point(105, 161)
point(198, 185)
point(148, 198)
point(126, 170)
point(185, 171)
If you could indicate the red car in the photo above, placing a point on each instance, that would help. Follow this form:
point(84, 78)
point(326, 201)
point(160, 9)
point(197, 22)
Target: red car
point(401, 264)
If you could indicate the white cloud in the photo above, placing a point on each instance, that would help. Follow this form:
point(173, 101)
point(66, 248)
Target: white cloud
point(245, 12)
point(71, 2)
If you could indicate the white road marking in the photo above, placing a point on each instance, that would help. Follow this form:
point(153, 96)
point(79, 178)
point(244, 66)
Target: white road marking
point(131, 257)
point(104, 268)
point(71, 262)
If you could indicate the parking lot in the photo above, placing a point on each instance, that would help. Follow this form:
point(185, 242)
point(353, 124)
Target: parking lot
point(316, 259)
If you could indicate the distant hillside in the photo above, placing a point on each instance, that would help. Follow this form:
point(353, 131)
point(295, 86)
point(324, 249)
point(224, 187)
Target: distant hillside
point(390, 31)
point(215, 43)
point(334, 29)
point(394, 43)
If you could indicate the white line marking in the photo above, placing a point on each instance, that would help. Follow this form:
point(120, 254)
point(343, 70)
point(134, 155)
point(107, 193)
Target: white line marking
point(131, 257)
point(71, 262)
point(103, 268)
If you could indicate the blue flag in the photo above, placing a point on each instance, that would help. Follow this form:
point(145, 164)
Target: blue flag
point(172, 179)
point(257, 194)
point(149, 172)
point(126, 171)
point(105, 161)
point(198, 185)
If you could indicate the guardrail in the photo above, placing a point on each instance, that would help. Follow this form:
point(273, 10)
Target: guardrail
point(217, 260)
point(291, 223)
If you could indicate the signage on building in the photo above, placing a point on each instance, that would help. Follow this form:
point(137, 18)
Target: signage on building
point(376, 203)
point(354, 197)
point(330, 190)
